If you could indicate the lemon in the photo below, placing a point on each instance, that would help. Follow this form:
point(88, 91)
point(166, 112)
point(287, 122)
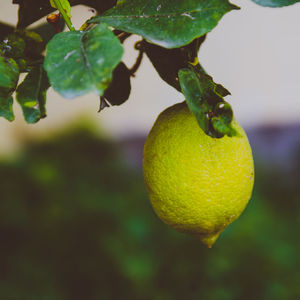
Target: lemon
point(196, 184)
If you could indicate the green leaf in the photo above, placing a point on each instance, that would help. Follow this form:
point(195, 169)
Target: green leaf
point(9, 75)
point(23, 46)
point(79, 62)
point(34, 44)
point(47, 31)
point(6, 111)
point(168, 62)
point(65, 5)
point(13, 46)
point(275, 3)
point(168, 23)
point(31, 94)
point(213, 114)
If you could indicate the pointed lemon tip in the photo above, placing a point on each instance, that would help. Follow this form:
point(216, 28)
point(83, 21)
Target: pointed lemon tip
point(208, 240)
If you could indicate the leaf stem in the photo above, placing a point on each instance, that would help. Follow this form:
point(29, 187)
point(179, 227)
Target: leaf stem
point(64, 15)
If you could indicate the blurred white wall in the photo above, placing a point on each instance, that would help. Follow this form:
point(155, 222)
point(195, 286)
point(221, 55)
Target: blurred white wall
point(254, 52)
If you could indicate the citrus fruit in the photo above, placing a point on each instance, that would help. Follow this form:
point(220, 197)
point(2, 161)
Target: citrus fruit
point(196, 184)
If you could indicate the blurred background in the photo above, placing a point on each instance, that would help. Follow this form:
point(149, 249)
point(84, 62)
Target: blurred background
point(75, 221)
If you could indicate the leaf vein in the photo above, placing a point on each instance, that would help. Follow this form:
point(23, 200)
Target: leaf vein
point(166, 15)
point(86, 61)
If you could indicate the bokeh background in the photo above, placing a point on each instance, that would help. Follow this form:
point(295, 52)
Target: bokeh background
point(75, 221)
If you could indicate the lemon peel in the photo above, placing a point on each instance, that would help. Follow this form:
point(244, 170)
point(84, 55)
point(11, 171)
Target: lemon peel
point(196, 184)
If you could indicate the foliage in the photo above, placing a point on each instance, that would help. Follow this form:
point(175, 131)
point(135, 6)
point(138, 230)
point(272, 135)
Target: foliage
point(214, 115)
point(79, 62)
point(275, 3)
point(170, 24)
point(89, 59)
point(31, 94)
point(75, 224)
point(9, 74)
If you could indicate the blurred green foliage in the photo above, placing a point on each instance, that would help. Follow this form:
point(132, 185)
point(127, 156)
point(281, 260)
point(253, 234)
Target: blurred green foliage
point(75, 223)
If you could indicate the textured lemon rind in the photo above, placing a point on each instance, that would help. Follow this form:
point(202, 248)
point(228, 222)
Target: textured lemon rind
point(196, 184)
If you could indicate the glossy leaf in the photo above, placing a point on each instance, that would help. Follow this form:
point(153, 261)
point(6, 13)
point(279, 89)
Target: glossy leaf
point(79, 62)
point(213, 114)
point(168, 23)
point(23, 46)
point(6, 110)
point(31, 94)
point(9, 75)
point(275, 3)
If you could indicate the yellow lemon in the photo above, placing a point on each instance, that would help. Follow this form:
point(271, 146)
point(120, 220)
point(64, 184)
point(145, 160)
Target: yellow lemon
point(197, 184)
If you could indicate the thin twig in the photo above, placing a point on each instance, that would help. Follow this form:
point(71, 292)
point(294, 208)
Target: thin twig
point(123, 36)
point(138, 46)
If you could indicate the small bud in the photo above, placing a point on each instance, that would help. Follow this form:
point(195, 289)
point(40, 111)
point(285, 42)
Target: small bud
point(53, 18)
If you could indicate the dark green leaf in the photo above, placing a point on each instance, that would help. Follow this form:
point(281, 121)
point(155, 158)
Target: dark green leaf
point(168, 23)
point(33, 10)
point(31, 94)
point(22, 63)
point(9, 75)
point(213, 114)
point(34, 44)
point(47, 31)
point(79, 62)
point(221, 119)
point(23, 46)
point(13, 46)
point(275, 3)
point(168, 62)
point(119, 89)
point(221, 90)
point(103, 104)
point(6, 107)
